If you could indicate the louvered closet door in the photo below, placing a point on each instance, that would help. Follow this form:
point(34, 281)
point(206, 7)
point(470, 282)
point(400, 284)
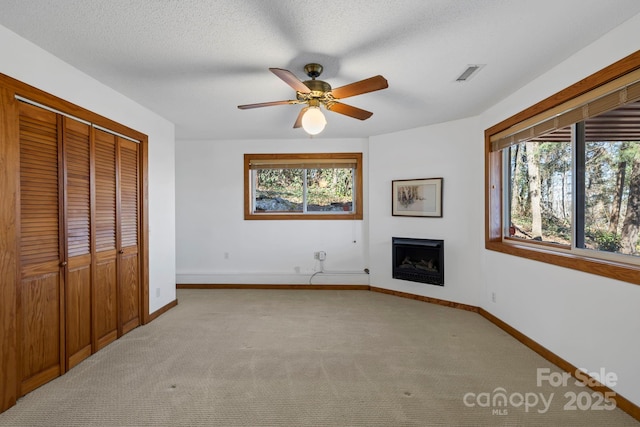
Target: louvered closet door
point(41, 281)
point(105, 314)
point(129, 272)
point(76, 148)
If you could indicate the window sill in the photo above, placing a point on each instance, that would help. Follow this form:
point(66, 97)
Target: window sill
point(629, 273)
point(301, 216)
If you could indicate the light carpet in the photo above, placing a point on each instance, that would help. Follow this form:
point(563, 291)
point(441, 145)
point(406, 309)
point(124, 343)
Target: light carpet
point(310, 358)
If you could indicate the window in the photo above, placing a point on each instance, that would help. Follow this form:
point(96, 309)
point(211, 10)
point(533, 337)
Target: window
point(303, 186)
point(605, 161)
point(539, 189)
point(563, 177)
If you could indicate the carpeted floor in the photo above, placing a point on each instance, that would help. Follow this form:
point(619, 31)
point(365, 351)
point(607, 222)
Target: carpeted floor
point(311, 358)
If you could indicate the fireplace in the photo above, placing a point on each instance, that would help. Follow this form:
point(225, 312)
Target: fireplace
point(418, 260)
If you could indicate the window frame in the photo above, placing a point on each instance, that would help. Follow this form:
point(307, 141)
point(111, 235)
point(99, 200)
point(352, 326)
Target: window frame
point(495, 240)
point(357, 213)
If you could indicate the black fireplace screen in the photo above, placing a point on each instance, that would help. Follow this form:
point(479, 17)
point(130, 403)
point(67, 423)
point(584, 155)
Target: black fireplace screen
point(418, 260)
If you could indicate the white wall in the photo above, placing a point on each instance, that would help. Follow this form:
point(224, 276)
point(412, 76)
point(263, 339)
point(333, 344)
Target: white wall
point(451, 151)
point(28, 63)
point(590, 321)
point(216, 245)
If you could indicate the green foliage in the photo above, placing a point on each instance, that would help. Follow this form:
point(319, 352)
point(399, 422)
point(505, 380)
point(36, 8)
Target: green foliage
point(605, 241)
point(555, 227)
point(273, 179)
point(325, 186)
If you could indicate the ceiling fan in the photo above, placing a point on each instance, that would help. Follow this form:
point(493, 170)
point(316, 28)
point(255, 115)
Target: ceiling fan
point(317, 92)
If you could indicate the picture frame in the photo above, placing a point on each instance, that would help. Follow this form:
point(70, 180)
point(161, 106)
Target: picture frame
point(417, 197)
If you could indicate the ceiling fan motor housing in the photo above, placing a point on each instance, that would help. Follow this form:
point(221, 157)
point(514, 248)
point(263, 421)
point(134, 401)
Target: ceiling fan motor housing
point(318, 87)
point(313, 70)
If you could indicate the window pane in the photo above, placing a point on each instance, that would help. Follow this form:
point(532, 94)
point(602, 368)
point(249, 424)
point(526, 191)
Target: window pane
point(278, 190)
point(330, 190)
point(303, 186)
point(540, 188)
point(612, 183)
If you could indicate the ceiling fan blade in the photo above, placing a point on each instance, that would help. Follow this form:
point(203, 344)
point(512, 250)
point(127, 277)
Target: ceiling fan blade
point(363, 86)
point(348, 110)
point(289, 78)
point(298, 122)
point(266, 104)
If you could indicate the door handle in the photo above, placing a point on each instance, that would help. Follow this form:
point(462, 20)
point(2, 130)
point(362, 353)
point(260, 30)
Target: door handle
point(63, 264)
point(121, 251)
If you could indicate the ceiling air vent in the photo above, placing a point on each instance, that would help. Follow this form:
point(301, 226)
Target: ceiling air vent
point(470, 71)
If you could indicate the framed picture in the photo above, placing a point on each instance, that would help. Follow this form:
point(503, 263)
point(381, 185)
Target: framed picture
point(417, 197)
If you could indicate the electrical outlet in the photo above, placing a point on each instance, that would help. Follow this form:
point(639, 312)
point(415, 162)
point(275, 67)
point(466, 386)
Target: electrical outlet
point(322, 255)
point(157, 292)
point(493, 297)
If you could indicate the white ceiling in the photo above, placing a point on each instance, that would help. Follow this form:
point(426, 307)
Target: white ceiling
point(194, 61)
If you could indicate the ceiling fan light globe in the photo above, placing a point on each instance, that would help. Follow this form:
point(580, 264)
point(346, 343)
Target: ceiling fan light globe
point(313, 121)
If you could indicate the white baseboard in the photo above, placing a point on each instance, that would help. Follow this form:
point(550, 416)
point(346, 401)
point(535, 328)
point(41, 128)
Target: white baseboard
point(318, 278)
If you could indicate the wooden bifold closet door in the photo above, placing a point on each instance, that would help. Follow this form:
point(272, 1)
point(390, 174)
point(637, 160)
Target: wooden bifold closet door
point(128, 210)
point(79, 284)
point(106, 277)
point(77, 229)
point(117, 283)
point(41, 283)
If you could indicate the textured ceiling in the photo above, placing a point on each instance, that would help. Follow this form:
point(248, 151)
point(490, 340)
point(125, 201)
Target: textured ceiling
point(194, 61)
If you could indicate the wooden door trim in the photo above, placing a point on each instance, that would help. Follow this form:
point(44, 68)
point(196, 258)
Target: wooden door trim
point(9, 259)
point(29, 92)
point(143, 242)
point(18, 225)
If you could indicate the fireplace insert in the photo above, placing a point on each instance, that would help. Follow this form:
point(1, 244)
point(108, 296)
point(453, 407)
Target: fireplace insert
point(418, 260)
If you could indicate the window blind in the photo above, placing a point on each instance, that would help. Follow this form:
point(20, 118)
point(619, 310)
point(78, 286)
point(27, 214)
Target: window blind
point(346, 163)
point(609, 96)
